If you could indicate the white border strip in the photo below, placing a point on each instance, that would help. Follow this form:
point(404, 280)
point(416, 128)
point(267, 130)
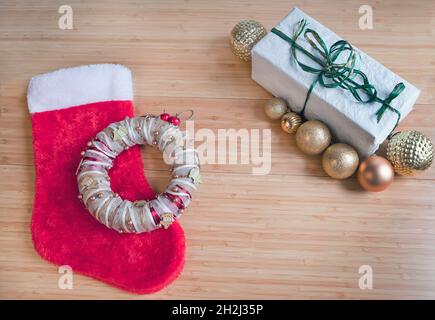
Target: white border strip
point(70, 87)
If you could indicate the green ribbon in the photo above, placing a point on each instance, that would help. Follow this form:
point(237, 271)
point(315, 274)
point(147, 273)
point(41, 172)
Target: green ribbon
point(332, 74)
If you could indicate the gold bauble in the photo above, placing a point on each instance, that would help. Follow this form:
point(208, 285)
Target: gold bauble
point(275, 108)
point(340, 161)
point(290, 122)
point(375, 174)
point(410, 152)
point(313, 137)
point(244, 36)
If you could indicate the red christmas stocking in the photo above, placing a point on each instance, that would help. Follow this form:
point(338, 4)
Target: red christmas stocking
point(68, 108)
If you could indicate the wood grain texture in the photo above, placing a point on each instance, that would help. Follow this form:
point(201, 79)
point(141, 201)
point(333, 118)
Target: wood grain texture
point(294, 233)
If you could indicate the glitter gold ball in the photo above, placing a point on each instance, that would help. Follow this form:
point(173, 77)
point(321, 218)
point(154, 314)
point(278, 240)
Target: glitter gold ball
point(410, 152)
point(375, 174)
point(340, 161)
point(313, 137)
point(275, 108)
point(290, 122)
point(245, 34)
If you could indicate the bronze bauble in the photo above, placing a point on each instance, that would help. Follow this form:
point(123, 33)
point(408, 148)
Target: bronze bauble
point(375, 174)
point(313, 137)
point(340, 161)
point(244, 36)
point(290, 122)
point(410, 152)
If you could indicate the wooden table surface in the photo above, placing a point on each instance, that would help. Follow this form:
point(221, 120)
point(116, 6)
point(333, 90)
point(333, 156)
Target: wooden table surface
point(293, 233)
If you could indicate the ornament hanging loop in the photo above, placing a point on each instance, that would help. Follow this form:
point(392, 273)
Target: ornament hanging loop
point(189, 117)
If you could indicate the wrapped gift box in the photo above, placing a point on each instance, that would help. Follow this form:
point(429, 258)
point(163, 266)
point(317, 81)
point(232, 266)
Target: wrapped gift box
point(350, 121)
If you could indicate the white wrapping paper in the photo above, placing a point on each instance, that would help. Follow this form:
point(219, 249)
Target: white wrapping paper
point(350, 121)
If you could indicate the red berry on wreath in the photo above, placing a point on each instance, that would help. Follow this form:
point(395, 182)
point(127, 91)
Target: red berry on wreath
point(165, 116)
point(174, 120)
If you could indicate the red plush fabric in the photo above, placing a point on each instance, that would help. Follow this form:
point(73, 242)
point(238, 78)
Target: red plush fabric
point(65, 233)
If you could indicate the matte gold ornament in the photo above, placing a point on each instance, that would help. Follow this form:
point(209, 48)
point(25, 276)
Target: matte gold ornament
point(340, 161)
point(375, 174)
point(410, 152)
point(313, 137)
point(245, 34)
point(290, 122)
point(275, 108)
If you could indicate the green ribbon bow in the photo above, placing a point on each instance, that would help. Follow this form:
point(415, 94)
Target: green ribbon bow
point(332, 74)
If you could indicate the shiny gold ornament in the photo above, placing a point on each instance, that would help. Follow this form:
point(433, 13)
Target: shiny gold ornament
point(375, 174)
point(313, 137)
point(119, 133)
point(410, 152)
point(340, 161)
point(140, 203)
point(290, 122)
point(195, 176)
point(166, 220)
point(245, 34)
point(275, 108)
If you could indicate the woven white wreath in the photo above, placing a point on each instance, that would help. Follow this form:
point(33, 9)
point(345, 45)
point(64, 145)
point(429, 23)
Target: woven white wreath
point(139, 216)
